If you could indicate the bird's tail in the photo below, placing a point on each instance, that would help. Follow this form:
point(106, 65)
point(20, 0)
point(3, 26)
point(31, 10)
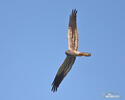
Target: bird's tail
point(84, 54)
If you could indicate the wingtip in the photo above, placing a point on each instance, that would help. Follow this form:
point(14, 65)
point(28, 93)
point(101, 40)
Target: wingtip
point(54, 88)
point(74, 11)
point(57, 81)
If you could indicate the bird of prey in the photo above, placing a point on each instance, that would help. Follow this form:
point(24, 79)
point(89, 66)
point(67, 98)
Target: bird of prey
point(71, 53)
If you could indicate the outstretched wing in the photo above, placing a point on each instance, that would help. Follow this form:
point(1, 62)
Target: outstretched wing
point(62, 72)
point(72, 32)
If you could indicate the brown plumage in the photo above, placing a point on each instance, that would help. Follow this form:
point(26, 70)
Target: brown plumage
point(71, 52)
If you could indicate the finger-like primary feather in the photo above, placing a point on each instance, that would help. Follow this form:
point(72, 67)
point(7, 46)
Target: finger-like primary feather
point(62, 71)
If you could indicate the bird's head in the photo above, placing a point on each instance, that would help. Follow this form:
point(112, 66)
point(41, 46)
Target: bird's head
point(69, 53)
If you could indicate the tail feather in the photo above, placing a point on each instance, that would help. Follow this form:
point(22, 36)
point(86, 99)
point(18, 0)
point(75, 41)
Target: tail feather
point(84, 54)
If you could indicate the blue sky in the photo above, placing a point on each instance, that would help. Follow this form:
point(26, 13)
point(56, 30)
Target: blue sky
point(33, 40)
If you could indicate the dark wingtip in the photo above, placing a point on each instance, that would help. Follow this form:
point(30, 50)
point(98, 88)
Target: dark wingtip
point(57, 81)
point(74, 12)
point(54, 88)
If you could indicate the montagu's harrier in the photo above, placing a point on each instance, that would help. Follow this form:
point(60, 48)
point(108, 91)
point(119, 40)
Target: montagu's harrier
point(71, 52)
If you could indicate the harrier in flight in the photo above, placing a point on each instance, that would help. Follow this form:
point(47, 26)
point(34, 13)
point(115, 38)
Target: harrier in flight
point(71, 53)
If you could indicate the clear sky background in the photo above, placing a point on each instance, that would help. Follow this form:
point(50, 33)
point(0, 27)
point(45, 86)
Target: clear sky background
point(33, 40)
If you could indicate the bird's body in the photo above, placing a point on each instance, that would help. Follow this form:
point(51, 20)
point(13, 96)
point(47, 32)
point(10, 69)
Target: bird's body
point(71, 53)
